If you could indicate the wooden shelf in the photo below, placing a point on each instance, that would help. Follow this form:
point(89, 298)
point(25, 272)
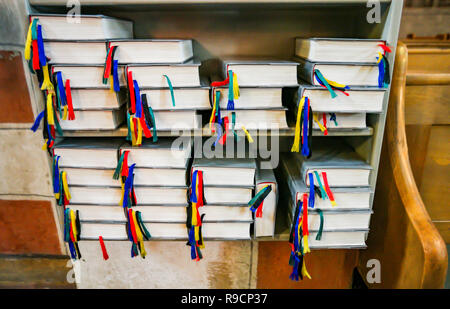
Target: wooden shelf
point(122, 131)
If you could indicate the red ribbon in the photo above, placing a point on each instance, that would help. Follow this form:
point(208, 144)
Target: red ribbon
point(305, 215)
point(324, 118)
point(108, 64)
point(200, 201)
point(221, 83)
point(385, 48)
point(69, 100)
point(259, 211)
point(327, 187)
point(223, 138)
point(102, 245)
point(132, 94)
point(147, 132)
point(125, 164)
point(35, 55)
point(132, 226)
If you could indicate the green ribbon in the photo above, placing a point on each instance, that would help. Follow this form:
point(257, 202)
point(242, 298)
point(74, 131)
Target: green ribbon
point(128, 138)
point(119, 165)
point(233, 124)
point(142, 226)
point(152, 115)
point(325, 83)
point(322, 190)
point(171, 89)
point(319, 233)
point(57, 126)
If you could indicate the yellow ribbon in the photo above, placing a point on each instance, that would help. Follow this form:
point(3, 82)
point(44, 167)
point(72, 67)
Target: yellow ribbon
point(133, 135)
point(44, 147)
point(74, 226)
point(305, 244)
point(213, 110)
point(335, 84)
point(316, 119)
point(111, 84)
point(139, 138)
point(65, 185)
point(304, 271)
point(379, 57)
point(46, 84)
point(139, 236)
point(236, 92)
point(50, 119)
point(249, 137)
point(65, 112)
point(298, 133)
point(123, 192)
point(28, 43)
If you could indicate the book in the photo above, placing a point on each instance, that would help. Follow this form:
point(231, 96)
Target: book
point(142, 176)
point(145, 195)
point(210, 230)
point(75, 52)
point(166, 153)
point(185, 98)
point(224, 195)
point(86, 76)
point(343, 166)
point(97, 99)
point(83, 27)
point(94, 120)
point(258, 119)
point(88, 152)
point(152, 51)
point(255, 73)
point(359, 99)
point(292, 181)
point(226, 172)
point(350, 74)
point(265, 225)
point(163, 213)
point(338, 49)
point(254, 98)
point(169, 120)
point(180, 74)
point(343, 121)
point(338, 240)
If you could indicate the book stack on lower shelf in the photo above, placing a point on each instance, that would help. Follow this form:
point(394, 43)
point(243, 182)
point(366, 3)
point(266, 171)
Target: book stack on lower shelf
point(158, 185)
point(226, 186)
point(335, 183)
point(347, 80)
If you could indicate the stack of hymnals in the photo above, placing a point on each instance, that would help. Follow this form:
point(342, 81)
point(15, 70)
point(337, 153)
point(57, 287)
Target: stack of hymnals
point(343, 80)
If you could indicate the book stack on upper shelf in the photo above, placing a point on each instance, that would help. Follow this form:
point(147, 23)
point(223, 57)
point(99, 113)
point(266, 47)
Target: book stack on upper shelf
point(76, 52)
point(347, 79)
point(155, 179)
point(334, 185)
point(165, 75)
point(249, 92)
point(225, 186)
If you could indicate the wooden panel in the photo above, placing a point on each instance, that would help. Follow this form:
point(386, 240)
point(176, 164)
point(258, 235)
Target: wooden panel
point(435, 187)
point(418, 136)
point(15, 101)
point(444, 230)
point(429, 60)
point(329, 269)
point(28, 227)
point(427, 104)
point(34, 272)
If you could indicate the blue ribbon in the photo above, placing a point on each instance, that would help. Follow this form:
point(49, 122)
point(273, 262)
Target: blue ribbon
point(193, 189)
point(311, 199)
point(56, 175)
point(137, 94)
point(37, 121)
point(192, 243)
point(305, 148)
point(62, 90)
point(381, 73)
point(128, 185)
point(116, 76)
point(40, 43)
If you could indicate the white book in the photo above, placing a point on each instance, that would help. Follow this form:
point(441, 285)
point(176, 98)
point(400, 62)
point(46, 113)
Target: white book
point(350, 74)
point(254, 98)
point(359, 100)
point(144, 195)
point(88, 152)
point(169, 120)
point(94, 120)
point(87, 76)
point(181, 75)
point(76, 52)
point(338, 50)
point(163, 213)
point(344, 121)
point(166, 153)
point(142, 177)
point(258, 119)
point(343, 166)
point(337, 220)
point(210, 230)
point(336, 240)
point(265, 225)
point(255, 73)
point(83, 27)
point(152, 51)
point(227, 195)
point(226, 172)
point(94, 99)
point(185, 98)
